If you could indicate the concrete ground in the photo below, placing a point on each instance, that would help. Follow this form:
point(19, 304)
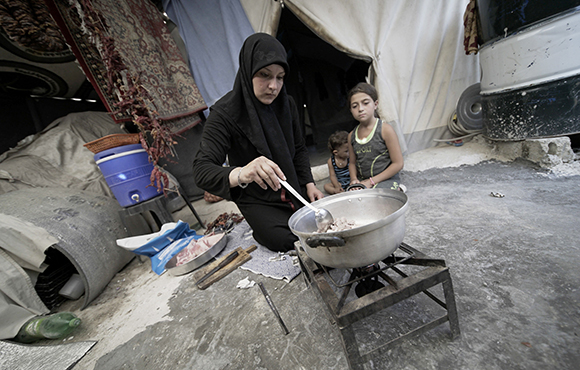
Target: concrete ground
point(513, 260)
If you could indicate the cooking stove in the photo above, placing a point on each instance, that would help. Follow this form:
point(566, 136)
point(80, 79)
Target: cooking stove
point(376, 290)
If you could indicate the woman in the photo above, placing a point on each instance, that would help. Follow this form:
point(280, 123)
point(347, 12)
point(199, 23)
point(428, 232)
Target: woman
point(256, 125)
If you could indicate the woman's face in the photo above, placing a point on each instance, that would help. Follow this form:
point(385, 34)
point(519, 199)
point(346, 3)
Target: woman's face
point(268, 82)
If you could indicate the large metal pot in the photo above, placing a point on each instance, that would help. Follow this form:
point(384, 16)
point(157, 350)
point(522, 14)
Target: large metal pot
point(379, 215)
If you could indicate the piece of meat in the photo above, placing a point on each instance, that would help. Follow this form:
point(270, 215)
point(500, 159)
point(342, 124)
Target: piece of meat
point(196, 248)
point(339, 224)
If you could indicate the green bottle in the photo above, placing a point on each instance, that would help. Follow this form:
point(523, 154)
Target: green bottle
point(53, 326)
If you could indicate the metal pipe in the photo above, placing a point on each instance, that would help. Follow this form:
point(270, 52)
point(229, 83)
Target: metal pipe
point(269, 300)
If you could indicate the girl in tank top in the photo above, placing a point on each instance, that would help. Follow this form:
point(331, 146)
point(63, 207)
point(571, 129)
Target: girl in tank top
point(374, 150)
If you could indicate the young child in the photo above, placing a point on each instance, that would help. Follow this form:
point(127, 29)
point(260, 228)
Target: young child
point(374, 150)
point(338, 163)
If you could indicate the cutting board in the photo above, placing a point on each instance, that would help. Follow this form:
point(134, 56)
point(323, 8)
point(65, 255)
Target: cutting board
point(243, 257)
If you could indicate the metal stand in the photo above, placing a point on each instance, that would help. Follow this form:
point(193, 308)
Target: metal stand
point(344, 314)
point(190, 206)
point(157, 207)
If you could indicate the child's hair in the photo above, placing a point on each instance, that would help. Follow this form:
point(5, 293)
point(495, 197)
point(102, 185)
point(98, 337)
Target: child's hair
point(363, 87)
point(337, 139)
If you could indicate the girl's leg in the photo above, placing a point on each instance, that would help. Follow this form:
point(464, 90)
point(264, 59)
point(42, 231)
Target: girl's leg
point(393, 183)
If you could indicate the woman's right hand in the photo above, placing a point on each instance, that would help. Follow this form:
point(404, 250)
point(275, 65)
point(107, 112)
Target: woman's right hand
point(263, 172)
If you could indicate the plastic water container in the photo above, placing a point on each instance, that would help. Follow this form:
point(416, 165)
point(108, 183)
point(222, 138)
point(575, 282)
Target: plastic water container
point(127, 171)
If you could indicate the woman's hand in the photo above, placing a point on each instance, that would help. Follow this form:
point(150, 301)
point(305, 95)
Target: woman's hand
point(313, 192)
point(262, 171)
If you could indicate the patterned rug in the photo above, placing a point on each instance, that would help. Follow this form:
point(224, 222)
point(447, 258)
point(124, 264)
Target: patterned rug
point(145, 47)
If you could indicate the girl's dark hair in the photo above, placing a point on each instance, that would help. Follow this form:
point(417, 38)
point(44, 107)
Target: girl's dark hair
point(363, 87)
point(337, 139)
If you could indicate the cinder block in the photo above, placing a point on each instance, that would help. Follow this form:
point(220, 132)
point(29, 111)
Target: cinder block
point(548, 152)
point(320, 172)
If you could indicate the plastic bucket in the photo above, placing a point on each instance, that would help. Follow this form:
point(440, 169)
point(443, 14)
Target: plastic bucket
point(127, 171)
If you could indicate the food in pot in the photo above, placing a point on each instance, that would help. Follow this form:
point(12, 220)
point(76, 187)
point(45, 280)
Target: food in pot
point(339, 224)
point(197, 247)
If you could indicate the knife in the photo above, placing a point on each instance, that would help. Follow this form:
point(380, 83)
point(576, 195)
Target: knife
point(232, 256)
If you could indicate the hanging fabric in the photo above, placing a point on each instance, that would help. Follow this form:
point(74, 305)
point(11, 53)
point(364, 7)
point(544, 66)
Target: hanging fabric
point(419, 66)
point(213, 32)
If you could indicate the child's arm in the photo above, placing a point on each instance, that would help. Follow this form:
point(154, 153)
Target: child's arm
point(351, 161)
point(390, 137)
point(332, 174)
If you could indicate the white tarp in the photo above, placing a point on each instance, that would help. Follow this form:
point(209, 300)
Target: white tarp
point(18, 299)
point(56, 156)
point(416, 48)
point(419, 65)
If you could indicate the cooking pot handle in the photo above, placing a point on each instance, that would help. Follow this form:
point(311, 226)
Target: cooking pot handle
point(355, 187)
point(325, 241)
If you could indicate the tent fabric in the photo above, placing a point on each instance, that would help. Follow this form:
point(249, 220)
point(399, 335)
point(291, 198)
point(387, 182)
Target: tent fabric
point(25, 242)
point(418, 63)
point(213, 32)
point(416, 47)
point(265, 17)
point(57, 157)
point(18, 299)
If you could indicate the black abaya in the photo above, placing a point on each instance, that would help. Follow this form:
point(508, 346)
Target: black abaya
point(243, 128)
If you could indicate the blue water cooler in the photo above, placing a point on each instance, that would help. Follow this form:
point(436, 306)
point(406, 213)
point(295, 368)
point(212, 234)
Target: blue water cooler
point(127, 171)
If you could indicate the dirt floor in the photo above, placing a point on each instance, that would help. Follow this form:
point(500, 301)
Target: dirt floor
point(513, 262)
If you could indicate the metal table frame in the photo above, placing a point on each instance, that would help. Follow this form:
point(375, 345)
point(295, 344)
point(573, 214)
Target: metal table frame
point(346, 314)
point(157, 207)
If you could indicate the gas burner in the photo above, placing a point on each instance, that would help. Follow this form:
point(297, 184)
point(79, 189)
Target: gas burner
point(417, 273)
point(370, 282)
point(400, 256)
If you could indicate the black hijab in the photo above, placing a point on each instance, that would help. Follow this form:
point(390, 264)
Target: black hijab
point(267, 127)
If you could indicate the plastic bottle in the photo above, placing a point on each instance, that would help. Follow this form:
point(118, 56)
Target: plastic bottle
point(53, 326)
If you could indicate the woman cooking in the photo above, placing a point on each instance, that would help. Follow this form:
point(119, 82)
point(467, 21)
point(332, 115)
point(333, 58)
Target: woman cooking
point(256, 125)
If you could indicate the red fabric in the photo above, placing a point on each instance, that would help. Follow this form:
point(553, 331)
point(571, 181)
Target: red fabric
point(286, 199)
point(146, 48)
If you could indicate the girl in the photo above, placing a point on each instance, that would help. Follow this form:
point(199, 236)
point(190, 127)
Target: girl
point(374, 150)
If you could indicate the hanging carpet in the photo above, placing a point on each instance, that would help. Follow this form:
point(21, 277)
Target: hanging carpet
point(144, 46)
